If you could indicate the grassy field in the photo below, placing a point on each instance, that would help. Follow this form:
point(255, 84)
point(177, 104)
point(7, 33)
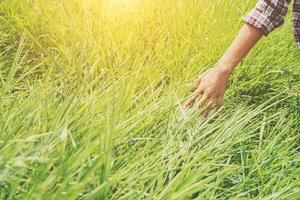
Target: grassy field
point(91, 94)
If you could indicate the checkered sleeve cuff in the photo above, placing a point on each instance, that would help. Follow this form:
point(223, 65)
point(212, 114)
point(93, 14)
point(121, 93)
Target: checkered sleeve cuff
point(267, 15)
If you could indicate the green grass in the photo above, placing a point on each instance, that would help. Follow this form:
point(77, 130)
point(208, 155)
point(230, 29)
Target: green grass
point(91, 94)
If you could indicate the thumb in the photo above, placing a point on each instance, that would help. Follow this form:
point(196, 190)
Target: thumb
point(197, 83)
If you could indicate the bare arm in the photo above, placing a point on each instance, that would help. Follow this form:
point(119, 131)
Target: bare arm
point(242, 44)
point(212, 83)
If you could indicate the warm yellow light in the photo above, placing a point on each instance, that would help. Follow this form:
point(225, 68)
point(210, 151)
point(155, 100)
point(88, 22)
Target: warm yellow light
point(122, 3)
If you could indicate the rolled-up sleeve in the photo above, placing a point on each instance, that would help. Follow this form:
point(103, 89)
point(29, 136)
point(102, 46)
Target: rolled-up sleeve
point(267, 15)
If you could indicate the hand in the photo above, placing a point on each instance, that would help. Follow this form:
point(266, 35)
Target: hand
point(211, 85)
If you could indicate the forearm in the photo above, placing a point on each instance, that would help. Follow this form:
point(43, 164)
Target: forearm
point(247, 37)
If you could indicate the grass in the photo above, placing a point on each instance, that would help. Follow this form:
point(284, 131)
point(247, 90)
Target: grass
point(91, 94)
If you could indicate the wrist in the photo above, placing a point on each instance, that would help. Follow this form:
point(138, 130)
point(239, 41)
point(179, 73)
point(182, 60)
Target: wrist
point(225, 67)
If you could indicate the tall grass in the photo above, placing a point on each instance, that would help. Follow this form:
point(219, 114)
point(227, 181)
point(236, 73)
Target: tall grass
point(91, 95)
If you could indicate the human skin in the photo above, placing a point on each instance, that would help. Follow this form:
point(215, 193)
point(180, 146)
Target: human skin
point(211, 85)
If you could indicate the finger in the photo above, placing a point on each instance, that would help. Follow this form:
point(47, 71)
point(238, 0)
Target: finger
point(189, 102)
point(207, 110)
point(219, 102)
point(192, 99)
point(197, 83)
point(220, 105)
point(219, 112)
point(203, 101)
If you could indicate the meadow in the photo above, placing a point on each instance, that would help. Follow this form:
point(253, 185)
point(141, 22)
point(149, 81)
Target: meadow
point(91, 94)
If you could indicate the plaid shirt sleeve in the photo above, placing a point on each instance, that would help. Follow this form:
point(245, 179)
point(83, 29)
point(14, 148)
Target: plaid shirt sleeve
point(267, 15)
